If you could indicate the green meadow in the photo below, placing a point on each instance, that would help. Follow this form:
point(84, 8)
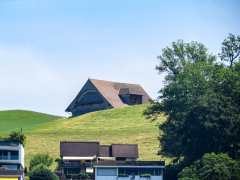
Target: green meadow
point(121, 125)
point(14, 120)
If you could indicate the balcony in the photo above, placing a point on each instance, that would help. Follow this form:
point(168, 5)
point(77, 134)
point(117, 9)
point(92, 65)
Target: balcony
point(9, 157)
point(74, 164)
point(9, 143)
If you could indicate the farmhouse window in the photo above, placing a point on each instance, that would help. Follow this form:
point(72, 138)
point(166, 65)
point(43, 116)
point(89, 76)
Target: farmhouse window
point(106, 172)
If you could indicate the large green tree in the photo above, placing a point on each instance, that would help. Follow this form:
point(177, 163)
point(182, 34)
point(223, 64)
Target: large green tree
point(212, 167)
point(201, 99)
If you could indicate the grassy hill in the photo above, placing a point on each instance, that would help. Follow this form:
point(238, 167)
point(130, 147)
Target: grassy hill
point(14, 120)
point(120, 125)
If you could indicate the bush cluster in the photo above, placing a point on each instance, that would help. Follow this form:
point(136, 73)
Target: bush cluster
point(145, 175)
point(122, 175)
point(77, 176)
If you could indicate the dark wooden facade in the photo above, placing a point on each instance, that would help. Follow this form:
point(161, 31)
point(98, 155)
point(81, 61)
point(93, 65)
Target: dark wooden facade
point(99, 95)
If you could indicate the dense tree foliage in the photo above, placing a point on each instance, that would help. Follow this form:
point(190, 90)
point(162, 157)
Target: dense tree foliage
point(212, 167)
point(40, 158)
point(15, 136)
point(201, 99)
point(41, 172)
point(230, 49)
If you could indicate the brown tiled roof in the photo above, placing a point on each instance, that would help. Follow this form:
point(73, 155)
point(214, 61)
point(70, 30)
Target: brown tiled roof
point(105, 151)
point(125, 150)
point(93, 148)
point(79, 149)
point(129, 163)
point(12, 172)
point(110, 91)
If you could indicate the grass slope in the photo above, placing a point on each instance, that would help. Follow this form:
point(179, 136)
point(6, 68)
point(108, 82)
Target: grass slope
point(14, 120)
point(121, 125)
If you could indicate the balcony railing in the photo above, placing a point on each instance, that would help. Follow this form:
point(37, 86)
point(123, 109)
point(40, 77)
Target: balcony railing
point(9, 143)
point(73, 164)
point(8, 157)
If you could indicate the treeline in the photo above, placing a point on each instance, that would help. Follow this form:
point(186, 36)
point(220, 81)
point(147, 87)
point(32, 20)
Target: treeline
point(201, 99)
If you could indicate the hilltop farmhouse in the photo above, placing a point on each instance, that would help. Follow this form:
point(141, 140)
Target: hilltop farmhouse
point(98, 95)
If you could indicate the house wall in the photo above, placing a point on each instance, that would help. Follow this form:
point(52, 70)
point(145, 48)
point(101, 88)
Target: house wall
point(127, 178)
point(19, 160)
point(78, 109)
point(125, 98)
point(11, 177)
point(21, 155)
point(137, 177)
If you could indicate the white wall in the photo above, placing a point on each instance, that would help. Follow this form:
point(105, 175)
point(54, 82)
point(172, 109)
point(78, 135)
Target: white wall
point(136, 178)
point(106, 178)
point(126, 178)
point(21, 155)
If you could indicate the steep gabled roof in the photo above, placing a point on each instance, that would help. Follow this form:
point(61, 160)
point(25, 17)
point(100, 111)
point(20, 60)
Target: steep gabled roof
point(125, 150)
point(84, 149)
point(110, 91)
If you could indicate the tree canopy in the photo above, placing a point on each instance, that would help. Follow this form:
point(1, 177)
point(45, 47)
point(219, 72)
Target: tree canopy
point(201, 99)
point(230, 49)
point(40, 158)
point(41, 172)
point(15, 136)
point(212, 167)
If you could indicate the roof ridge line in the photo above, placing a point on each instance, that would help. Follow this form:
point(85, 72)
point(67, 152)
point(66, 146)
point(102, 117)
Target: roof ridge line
point(113, 81)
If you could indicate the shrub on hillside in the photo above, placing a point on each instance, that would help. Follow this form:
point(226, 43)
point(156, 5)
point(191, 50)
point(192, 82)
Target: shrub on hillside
point(41, 172)
point(17, 136)
point(40, 158)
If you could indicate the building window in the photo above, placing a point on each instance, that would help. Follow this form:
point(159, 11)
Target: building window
point(157, 172)
point(135, 99)
point(106, 172)
point(147, 171)
point(129, 171)
point(132, 171)
point(137, 172)
point(10, 167)
point(72, 170)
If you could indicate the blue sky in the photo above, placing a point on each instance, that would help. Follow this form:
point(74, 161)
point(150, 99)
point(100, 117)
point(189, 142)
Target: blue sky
point(49, 48)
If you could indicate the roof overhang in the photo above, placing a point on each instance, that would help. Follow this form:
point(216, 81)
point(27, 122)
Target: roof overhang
point(110, 158)
point(77, 158)
point(156, 167)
